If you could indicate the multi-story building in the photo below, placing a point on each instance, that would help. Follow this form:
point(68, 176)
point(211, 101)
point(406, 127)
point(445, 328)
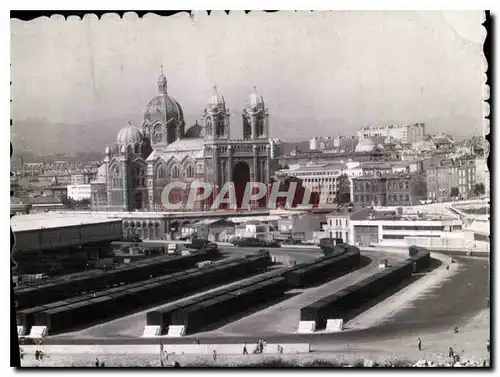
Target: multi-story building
point(79, 192)
point(318, 177)
point(334, 143)
point(397, 228)
point(300, 226)
point(451, 178)
point(402, 189)
point(466, 170)
point(406, 133)
point(482, 173)
point(83, 178)
point(337, 224)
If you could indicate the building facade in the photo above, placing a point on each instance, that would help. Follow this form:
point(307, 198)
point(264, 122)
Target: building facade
point(406, 133)
point(394, 228)
point(403, 189)
point(142, 162)
point(330, 177)
point(451, 178)
point(79, 192)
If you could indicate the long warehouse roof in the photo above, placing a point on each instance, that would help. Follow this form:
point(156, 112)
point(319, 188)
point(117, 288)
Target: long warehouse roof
point(48, 220)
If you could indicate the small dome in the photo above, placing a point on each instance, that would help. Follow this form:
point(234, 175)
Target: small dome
point(216, 100)
point(365, 145)
point(129, 135)
point(195, 131)
point(255, 99)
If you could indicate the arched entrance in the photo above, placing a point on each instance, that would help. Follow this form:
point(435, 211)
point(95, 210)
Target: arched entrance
point(241, 176)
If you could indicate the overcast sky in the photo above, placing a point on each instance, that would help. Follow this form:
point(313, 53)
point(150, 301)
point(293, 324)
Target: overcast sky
point(321, 73)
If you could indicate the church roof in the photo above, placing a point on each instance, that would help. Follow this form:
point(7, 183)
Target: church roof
point(187, 147)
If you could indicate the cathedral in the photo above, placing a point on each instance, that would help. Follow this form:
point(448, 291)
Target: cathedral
point(140, 163)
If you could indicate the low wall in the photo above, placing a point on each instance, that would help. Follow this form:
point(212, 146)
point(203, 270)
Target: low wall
point(151, 349)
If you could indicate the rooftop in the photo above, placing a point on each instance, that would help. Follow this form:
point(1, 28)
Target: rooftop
point(50, 220)
point(365, 213)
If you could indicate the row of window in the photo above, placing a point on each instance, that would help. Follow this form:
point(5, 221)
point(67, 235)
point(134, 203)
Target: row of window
point(391, 185)
point(338, 222)
point(399, 198)
point(331, 179)
point(345, 236)
point(412, 227)
point(175, 172)
point(315, 173)
point(402, 236)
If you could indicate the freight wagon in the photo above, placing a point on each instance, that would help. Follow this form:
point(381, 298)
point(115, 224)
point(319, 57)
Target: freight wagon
point(339, 303)
point(211, 311)
point(119, 300)
point(94, 280)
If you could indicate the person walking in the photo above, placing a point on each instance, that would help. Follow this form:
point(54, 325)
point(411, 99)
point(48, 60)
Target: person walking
point(451, 353)
point(96, 362)
point(245, 351)
point(215, 355)
point(488, 345)
point(419, 342)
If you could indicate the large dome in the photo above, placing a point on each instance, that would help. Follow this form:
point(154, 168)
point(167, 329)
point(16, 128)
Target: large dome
point(365, 145)
point(129, 135)
point(163, 108)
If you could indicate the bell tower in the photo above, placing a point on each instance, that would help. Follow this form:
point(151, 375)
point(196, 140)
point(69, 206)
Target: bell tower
point(255, 118)
point(216, 118)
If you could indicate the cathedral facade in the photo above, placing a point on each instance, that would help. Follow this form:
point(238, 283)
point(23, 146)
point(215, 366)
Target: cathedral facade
point(142, 162)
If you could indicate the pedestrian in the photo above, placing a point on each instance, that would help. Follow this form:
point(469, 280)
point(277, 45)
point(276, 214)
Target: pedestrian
point(97, 362)
point(488, 345)
point(419, 344)
point(102, 365)
point(261, 346)
point(245, 351)
point(455, 329)
point(37, 354)
point(215, 355)
point(161, 348)
point(450, 352)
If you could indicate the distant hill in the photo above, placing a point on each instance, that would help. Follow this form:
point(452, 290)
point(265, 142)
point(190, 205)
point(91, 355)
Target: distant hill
point(35, 137)
point(39, 137)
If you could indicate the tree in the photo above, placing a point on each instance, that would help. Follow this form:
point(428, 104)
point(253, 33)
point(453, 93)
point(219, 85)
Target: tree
point(454, 192)
point(478, 189)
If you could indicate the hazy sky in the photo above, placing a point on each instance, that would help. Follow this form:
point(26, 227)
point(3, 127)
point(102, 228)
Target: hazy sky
point(324, 73)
